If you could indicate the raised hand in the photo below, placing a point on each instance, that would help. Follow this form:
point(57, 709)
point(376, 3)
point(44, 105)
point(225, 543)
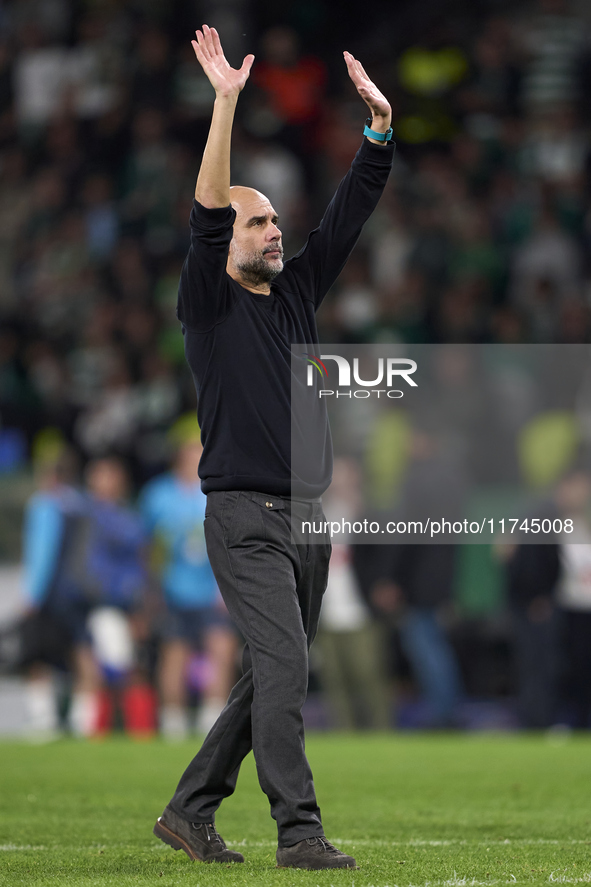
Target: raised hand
point(371, 95)
point(225, 80)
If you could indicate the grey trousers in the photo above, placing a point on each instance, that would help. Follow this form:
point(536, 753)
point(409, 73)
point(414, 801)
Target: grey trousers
point(273, 591)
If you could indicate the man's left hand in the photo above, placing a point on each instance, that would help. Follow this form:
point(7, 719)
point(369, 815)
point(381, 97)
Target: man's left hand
point(377, 103)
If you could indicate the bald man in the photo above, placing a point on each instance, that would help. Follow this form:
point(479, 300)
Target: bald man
point(241, 309)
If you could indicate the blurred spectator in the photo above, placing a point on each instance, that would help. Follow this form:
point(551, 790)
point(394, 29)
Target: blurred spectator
point(556, 148)
point(553, 38)
point(173, 507)
point(62, 149)
point(129, 276)
point(116, 561)
point(549, 595)
point(107, 138)
point(416, 587)
point(52, 18)
point(15, 207)
point(95, 67)
point(17, 396)
point(40, 81)
point(356, 302)
point(414, 583)
point(85, 580)
point(352, 656)
point(47, 203)
point(109, 424)
point(146, 183)
point(49, 376)
point(546, 273)
point(532, 576)
point(151, 83)
point(158, 402)
point(94, 354)
point(276, 173)
point(100, 216)
point(57, 590)
point(118, 537)
point(494, 84)
point(193, 98)
point(293, 86)
point(574, 598)
point(389, 242)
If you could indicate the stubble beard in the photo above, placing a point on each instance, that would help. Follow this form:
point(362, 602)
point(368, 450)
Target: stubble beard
point(254, 268)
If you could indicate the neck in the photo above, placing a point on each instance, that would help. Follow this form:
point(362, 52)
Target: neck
point(262, 289)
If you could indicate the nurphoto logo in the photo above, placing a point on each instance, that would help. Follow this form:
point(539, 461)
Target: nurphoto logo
point(388, 370)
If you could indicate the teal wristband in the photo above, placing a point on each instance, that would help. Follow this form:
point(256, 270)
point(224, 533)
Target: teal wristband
point(379, 136)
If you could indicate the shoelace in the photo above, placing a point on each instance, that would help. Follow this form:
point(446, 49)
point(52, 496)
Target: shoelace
point(211, 833)
point(326, 845)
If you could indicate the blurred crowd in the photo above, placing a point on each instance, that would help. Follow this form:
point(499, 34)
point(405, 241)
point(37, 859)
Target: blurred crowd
point(124, 626)
point(121, 602)
point(482, 236)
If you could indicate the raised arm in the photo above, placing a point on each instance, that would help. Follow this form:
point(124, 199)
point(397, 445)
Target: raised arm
point(378, 104)
point(319, 263)
point(213, 182)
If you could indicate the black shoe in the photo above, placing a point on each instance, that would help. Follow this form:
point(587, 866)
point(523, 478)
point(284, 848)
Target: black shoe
point(314, 853)
point(199, 840)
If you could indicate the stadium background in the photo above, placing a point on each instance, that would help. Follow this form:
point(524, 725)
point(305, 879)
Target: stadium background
point(482, 235)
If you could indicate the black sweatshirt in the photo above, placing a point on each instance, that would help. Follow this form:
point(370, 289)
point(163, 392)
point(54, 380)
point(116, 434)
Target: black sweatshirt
point(238, 343)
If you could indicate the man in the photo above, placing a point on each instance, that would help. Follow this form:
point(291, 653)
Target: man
point(57, 529)
point(173, 508)
point(116, 561)
point(241, 310)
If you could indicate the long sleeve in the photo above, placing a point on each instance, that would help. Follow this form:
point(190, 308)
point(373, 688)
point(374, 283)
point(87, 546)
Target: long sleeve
point(120, 528)
point(205, 296)
point(43, 532)
point(316, 267)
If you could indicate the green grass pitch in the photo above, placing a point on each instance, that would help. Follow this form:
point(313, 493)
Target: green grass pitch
point(421, 810)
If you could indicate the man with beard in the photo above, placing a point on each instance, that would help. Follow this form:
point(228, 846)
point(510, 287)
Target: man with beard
point(241, 309)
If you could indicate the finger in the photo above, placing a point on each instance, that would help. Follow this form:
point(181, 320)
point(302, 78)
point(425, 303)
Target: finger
point(217, 43)
point(201, 57)
point(247, 65)
point(349, 61)
point(360, 70)
point(364, 72)
point(207, 41)
point(356, 72)
point(354, 62)
point(202, 41)
point(352, 72)
point(198, 52)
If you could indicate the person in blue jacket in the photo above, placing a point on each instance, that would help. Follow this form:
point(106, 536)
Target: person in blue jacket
point(117, 563)
point(173, 508)
point(56, 533)
point(84, 574)
point(118, 542)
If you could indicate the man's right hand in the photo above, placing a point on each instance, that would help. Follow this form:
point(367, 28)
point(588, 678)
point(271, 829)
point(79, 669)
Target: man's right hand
point(226, 81)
